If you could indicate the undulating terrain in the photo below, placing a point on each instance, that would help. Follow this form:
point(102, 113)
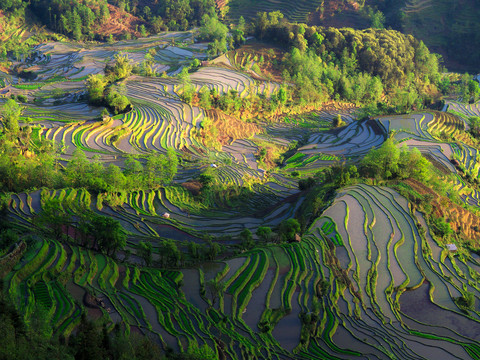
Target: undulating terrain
point(249, 200)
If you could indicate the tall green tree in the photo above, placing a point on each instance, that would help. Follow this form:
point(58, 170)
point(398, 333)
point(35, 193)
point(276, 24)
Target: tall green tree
point(145, 250)
point(215, 289)
point(212, 29)
point(96, 87)
point(123, 66)
point(54, 217)
point(11, 112)
point(108, 233)
point(288, 228)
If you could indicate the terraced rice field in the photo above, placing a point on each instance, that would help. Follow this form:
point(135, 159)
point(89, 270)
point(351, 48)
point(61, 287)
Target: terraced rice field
point(351, 141)
point(225, 80)
point(366, 280)
point(354, 271)
point(467, 110)
point(141, 212)
point(75, 62)
point(293, 12)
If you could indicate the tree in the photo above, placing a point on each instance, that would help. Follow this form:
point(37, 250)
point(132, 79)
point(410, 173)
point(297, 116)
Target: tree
point(161, 169)
point(158, 25)
point(382, 162)
point(241, 24)
point(215, 289)
point(474, 123)
point(96, 87)
point(115, 179)
point(282, 95)
point(474, 89)
point(212, 29)
point(412, 164)
point(133, 169)
point(171, 166)
point(467, 300)
point(264, 233)
point(217, 47)
point(147, 12)
point(88, 341)
point(145, 250)
point(104, 13)
point(195, 251)
point(169, 253)
point(214, 249)
point(76, 26)
point(117, 101)
point(338, 121)
point(247, 239)
point(54, 217)
point(288, 229)
point(11, 112)
point(377, 20)
point(388, 162)
point(108, 233)
point(305, 184)
point(123, 66)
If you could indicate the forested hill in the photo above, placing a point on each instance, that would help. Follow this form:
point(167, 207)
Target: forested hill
point(312, 193)
point(93, 19)
point(455, 37)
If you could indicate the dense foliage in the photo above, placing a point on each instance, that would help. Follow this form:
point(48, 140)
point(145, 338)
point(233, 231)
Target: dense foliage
point(120, 209)
point(354, 65)
point(27, 163)
point(92, 341)
point(80, 19)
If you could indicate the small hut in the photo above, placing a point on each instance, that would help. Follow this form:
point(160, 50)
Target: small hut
point(452, 247)
point(166, 215)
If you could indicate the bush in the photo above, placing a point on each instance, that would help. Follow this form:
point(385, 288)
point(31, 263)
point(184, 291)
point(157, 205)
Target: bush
point(305, 184)
point(22, 98)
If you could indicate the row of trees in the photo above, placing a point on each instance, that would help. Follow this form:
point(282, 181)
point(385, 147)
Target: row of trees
point(22, 172)
point(27, 163)
point(172, 256)
point(154, 171)
point(284, 232)
point(91, 230)
point(171, 14)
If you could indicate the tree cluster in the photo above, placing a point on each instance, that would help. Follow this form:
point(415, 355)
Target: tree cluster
point(72, 18)
point(32, 338)
point(27, 162)
point(391, 162)
point(157, 170)
point(173, 14)
point(91, 230)
point(78, 19)
point(104, 89)
point(354, 65)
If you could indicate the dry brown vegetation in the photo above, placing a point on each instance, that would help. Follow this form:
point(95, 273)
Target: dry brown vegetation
point(337, 13)
point(460, 219)
point(193, 186)
point(269, 53)
point(120, 22)
point(230, 128)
